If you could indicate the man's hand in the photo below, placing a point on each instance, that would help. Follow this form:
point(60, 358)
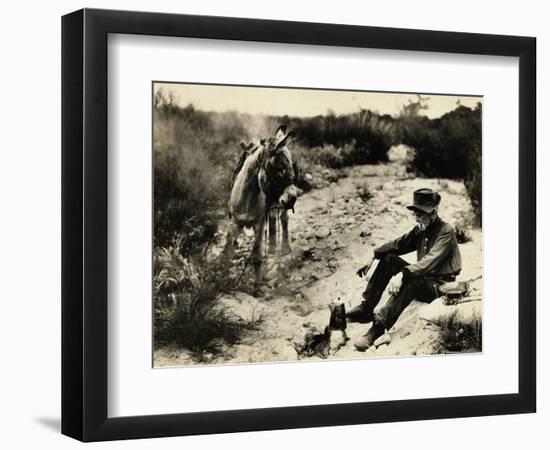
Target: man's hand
point(363, 270)
point(395, 284)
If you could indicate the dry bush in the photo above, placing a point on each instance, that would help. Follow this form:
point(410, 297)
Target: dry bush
point(364, 192)
point(457, 336)
point(191, 173)
point(448, 147)
point(186, 298)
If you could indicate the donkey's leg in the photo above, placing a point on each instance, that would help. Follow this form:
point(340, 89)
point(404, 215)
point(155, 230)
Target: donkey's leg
point(285, 247)
point(256, 256)
point(231, 240)
point(272, 231)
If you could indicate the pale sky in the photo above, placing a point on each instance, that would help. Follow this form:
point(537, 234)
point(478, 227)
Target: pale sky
point(304, 102)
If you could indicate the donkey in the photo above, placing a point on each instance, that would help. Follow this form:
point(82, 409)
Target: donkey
point(262, 184)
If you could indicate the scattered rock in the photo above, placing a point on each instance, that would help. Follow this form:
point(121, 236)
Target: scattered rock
point(337, 212)
point(440, 314)
point(300, 309)
point(365, 234)
point(322, 233)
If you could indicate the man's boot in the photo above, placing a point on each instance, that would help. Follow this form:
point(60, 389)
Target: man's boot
point(362, 313)
point(366, 341)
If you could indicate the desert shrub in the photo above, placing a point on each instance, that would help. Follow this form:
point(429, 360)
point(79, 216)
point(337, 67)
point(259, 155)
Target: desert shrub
point(345, 155)
point(463, 227)
point(191, 172)
point(184, 199)
point(473, 180)
point(364, 192)
point(447, 147)
point(186, 298)
point(330, 156)
point(348, 139)
point(457, 336)
point(462, 234)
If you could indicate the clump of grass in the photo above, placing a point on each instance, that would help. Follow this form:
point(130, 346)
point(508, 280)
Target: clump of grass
point(458, 336)
point(463, 228)
point(363, 192)
point(462, 234)
point(186, 298)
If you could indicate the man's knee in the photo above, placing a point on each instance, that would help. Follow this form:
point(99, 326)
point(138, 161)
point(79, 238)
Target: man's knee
point(414, 289)
point(390, 258)
point(418, 289)
point(393, 262)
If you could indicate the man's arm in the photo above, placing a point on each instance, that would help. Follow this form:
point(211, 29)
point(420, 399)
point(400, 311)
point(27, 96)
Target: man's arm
point(439, 251)
point(400, 246)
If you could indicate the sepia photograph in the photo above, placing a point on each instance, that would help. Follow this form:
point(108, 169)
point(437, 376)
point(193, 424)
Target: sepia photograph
point(300, 224)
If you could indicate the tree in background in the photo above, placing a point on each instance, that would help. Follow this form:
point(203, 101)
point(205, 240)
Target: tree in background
point(446, 147)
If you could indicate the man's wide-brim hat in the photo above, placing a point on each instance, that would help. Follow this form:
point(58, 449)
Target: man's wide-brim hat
point(425, 200)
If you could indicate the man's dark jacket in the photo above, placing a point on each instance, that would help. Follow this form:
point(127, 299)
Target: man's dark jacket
point(438, 255)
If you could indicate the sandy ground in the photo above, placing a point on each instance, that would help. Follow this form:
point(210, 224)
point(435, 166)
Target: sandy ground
point(333, 230)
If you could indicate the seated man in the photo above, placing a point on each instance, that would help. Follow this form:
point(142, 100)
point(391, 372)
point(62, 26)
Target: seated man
point(438, 261)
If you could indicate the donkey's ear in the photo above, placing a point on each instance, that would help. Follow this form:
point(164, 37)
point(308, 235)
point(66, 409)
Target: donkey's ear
point(281, 132)
point(285, 140)
point(247, 147)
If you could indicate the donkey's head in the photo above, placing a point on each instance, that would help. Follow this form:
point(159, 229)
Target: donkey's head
point(276, 175)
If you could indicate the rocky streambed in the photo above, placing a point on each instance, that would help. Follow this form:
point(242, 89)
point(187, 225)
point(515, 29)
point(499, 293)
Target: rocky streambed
point(333, 230)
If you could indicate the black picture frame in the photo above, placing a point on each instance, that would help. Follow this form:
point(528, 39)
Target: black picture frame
point(84, 224)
